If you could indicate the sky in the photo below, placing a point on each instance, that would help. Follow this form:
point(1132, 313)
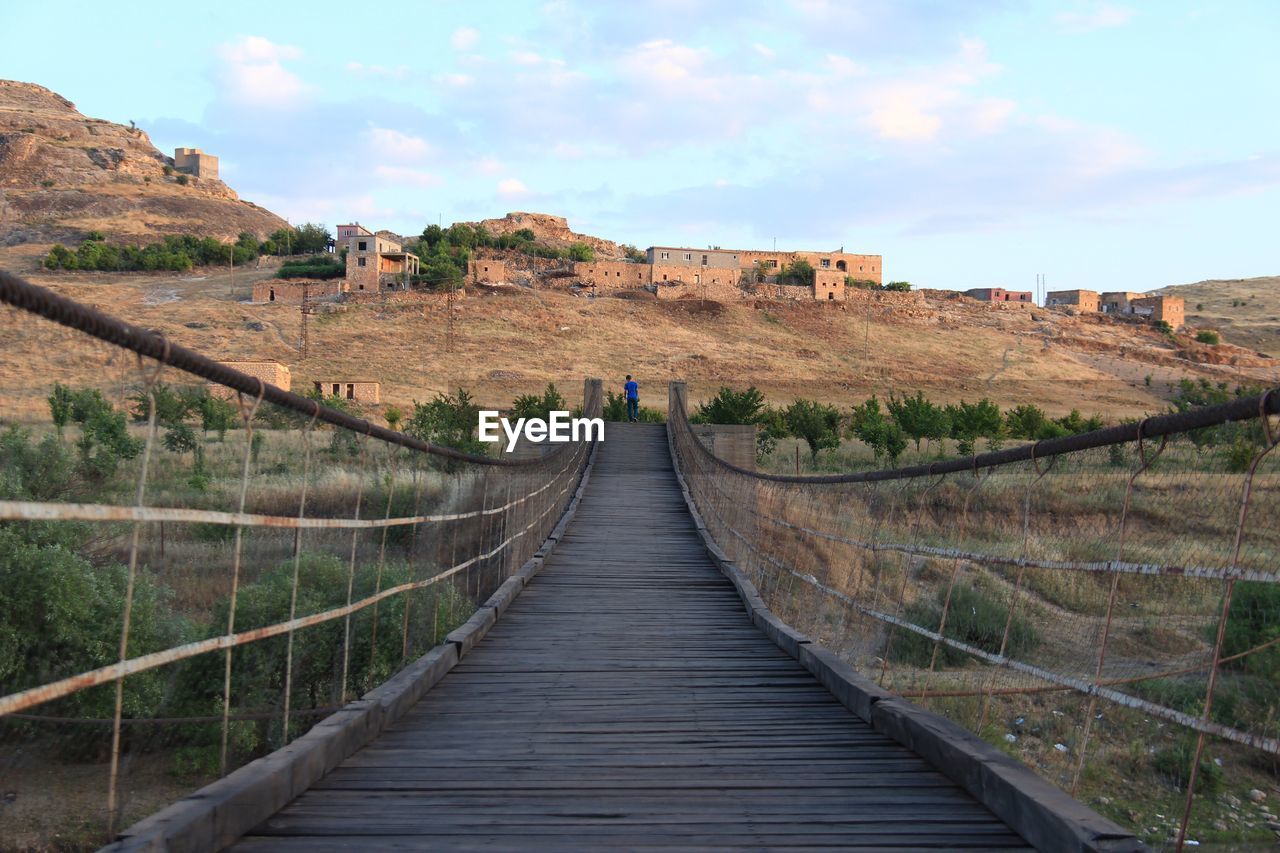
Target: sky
point(972, 143)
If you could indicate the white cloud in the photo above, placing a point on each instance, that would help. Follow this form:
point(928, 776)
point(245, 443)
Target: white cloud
point(489, 166)
point(843, 66)
point(464, 38)
point(407, 176)
point(252, 72)
point(568, 151)
point(511, 187)
point(899, 113)
point(456, 81)
point(393, 145)
point(991, 115)
point(1093, 17)
point(396, 72)
point(764, 50)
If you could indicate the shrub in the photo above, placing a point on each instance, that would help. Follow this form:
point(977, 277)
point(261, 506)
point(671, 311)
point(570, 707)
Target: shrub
point(731, 407)
point(533, 406)
point(321, 268)
point(183, 180)
point(1174, 762)
point(974, 618)
point(582, 252)
point(448, 420)
point(1208, 336)
point(615, 409)
point(817, 423)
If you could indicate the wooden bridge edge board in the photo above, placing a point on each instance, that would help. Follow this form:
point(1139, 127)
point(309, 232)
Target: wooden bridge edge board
point(1044, 815)
point(218, 814)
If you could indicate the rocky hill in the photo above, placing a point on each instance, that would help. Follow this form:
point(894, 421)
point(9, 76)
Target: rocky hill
point(551, 230)
point(1245, 310)
point(63, 174)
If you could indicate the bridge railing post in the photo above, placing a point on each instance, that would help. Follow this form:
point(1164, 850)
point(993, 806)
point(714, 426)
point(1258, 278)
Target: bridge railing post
point(677, 397)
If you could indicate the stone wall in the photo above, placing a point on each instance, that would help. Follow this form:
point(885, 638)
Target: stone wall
point(1081, 300)
point(1171, 309)
point(613, 275)
point(271, 372)
point(359, 392)
point(427, 297)
point(292, 291)
point(487, 270)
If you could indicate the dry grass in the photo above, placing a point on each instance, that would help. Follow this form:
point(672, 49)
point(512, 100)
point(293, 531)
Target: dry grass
point(508, 341)
point(1246, 311)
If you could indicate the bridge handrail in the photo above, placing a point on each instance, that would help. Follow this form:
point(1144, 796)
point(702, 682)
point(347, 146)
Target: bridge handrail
point(1157, 426)
point(152, 344)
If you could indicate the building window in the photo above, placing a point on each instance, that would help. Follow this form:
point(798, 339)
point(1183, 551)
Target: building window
point(273, 294)
point(665, 255)
point(664, 276)
point(826, 263)
point(351, 391)
point(704, 260)
point(335, 389)
point(688, 256)
point(360, 262)
point(773, 263)
point(859, 269)
point(362, 245)
point(831, 296)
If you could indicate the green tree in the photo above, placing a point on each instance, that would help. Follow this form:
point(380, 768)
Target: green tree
point(1208, 336)
point(633, 254)
point(534, 406)
point(971, 421)
point(732, 407)
point(581, 252)
point(798, 272)
point(60, 405)
point(311, 237)
point(919, 419)
point(817, 423)
point(448, 420)
point(900, 286)
point(393, 417)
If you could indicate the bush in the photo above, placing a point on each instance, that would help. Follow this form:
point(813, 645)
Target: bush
point(817, 423)
point(533, 406)
point(615, 409)
point(320, 268)
point(974, 618)
point(732, 407)
point(1174, 762)
point(60, 615)
point(1208, 336)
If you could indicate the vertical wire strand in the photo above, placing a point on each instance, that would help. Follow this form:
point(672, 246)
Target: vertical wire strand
point(246, 416)
point(351, 569)
point(113, 780)
point(1246, 494)
point(393, 455)
point(297, 568)
point(1143, 464)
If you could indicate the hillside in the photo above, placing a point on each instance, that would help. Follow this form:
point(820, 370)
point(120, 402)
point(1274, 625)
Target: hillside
point(512, 340)
point(63, 174)
point(1245, 310)
point(551, 231)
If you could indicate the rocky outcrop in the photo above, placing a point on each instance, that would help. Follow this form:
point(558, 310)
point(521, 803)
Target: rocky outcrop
point(63, 174)
point(551, 230)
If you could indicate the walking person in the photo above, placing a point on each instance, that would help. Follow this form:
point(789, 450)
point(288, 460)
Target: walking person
point(632, 390)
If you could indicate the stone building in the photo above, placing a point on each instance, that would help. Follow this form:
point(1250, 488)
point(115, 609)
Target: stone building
point(346, 232)
point(1170, 309)
point(270, 372)
point(360, 392)
point(1081, 300)
point(1117, 302)
point(286, 291)
point(487, 270)
point(378, 261)
point(759, 264)
point(999, 294)
point(194, 162)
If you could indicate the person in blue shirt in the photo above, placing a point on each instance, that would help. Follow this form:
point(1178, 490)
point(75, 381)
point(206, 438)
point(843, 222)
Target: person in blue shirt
point(632, 389)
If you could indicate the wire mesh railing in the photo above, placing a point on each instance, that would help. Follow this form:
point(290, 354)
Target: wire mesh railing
point(1105, 607)
point(178, 599)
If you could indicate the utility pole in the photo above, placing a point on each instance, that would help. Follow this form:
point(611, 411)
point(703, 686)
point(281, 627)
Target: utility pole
point(306, 309)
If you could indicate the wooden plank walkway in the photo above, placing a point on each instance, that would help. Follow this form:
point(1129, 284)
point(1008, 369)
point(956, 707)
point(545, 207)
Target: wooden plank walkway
point(626, 701)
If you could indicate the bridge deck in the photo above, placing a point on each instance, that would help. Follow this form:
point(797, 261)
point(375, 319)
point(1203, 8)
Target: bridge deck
point(625, 700)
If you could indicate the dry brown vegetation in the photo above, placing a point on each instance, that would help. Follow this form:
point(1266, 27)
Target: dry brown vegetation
point(510, 340)
point(1245, 310)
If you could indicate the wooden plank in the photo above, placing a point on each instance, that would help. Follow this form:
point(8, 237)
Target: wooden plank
point(625, 699)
